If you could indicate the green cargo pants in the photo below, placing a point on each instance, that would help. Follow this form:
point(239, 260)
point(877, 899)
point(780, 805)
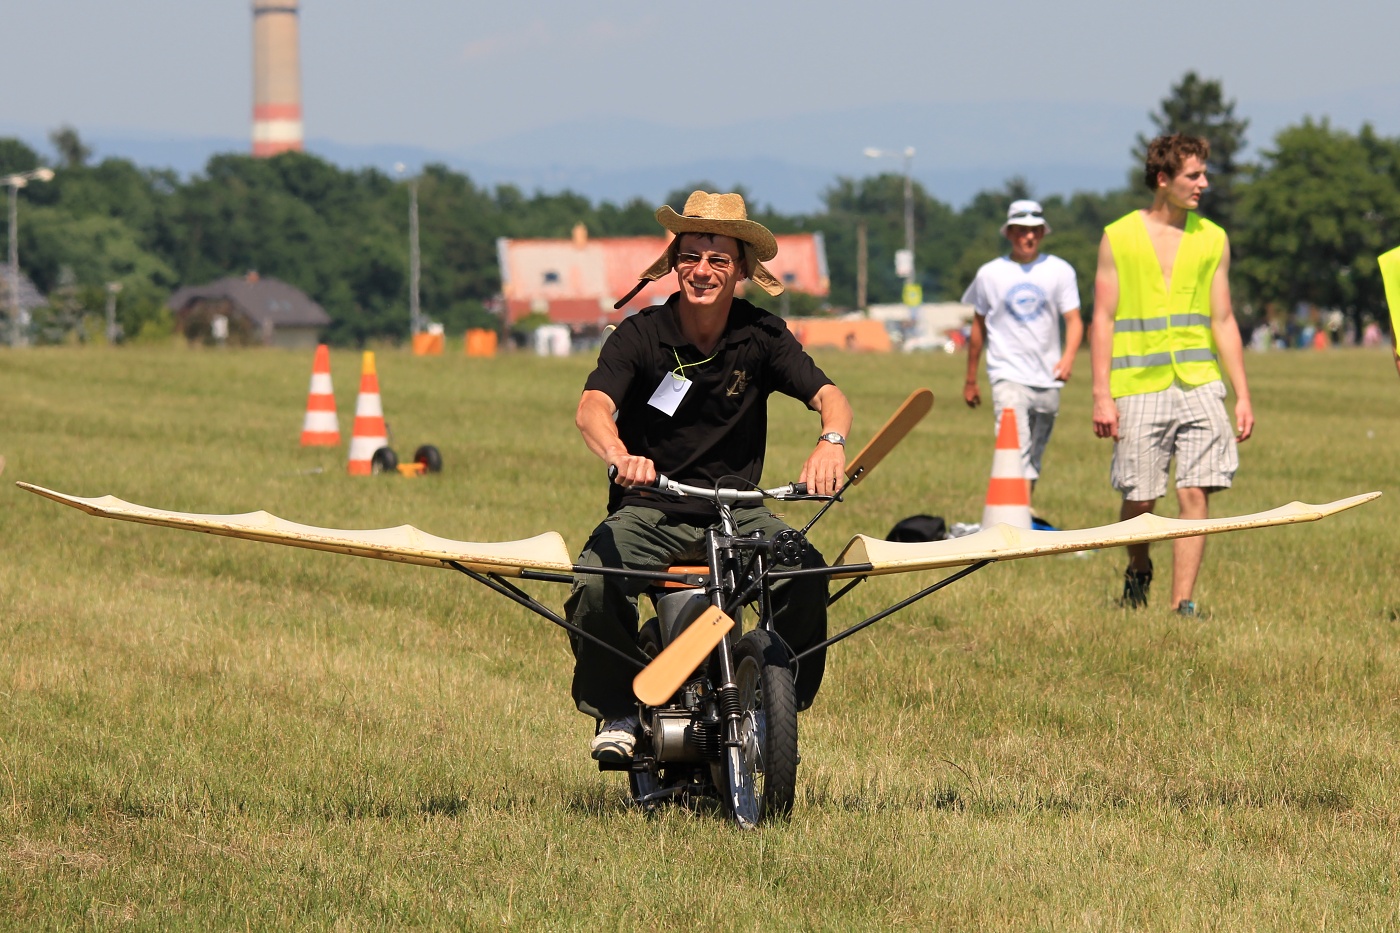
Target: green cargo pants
point(606, 607)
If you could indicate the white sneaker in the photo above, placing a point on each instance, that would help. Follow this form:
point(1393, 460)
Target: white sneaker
point(616, 740)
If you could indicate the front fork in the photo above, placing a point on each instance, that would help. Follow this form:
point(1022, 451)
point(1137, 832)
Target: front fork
point(721, 569)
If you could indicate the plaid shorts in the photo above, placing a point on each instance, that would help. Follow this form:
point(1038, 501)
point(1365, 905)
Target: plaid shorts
point(1189, 422)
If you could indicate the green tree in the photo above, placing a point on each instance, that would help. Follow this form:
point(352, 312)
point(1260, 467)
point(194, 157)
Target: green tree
point(1198, 107)
point(72, 151)
point(879, 203)
point(16, 156)
point(1320, 209)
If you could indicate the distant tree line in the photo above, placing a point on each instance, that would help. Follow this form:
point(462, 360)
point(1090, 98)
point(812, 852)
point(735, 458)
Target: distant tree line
point(1306, 222)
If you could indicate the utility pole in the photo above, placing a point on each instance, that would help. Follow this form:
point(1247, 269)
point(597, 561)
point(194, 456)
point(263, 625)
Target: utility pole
point(415, 315)
point(862, 257)
point(112, 289)
point(415, 322)
point(908, 273)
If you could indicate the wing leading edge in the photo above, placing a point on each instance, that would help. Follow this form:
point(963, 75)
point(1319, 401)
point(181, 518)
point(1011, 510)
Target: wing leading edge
point(405, 544)
point(1002, 542)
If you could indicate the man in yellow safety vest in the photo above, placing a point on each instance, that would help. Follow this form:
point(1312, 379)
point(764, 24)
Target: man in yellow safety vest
point(1163, 326)
point(1390, 277)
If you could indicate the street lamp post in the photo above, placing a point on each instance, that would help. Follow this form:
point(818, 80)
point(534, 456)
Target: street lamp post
point(908, 155)
point(112, 289)
point(415, 323)
point(14, 183)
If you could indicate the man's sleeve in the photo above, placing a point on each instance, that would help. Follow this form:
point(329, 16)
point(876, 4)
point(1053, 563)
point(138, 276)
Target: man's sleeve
point(974, 296)
point(617, 363)
point(1390, 275)
point(1068, 297)
point(794, 372)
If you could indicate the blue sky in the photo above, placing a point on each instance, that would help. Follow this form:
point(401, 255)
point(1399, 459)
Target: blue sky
point(604, 87)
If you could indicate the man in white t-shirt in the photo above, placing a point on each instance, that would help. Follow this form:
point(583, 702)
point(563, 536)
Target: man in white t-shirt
point(1020, 300)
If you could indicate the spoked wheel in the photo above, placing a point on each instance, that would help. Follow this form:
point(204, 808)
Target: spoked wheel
point(762, 771)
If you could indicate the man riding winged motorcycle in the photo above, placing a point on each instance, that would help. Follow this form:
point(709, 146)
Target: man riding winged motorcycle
point(682, 389)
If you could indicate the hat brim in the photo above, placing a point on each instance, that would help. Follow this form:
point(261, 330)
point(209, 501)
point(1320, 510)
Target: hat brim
point(765, 247)
point(1026, 222)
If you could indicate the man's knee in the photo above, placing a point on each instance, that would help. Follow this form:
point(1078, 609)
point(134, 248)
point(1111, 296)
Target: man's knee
point(1194, 501)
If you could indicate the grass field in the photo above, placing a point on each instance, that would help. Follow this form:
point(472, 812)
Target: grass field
point(202, 732)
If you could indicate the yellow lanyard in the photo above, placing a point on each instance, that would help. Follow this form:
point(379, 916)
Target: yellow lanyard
point(679, 371)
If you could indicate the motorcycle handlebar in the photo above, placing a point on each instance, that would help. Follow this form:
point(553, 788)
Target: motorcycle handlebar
point(664, 484)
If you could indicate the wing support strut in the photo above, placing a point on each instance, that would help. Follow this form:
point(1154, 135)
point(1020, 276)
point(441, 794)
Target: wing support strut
point(926, 591)
point(520, 597)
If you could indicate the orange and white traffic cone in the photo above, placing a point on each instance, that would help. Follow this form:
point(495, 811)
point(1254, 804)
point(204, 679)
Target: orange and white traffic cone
point(1008, 491)
point(321, 427)
point(369, 434)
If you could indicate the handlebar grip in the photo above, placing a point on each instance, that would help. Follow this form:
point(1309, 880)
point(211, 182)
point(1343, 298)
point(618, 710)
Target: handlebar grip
point(799, 489)
point(660, 483)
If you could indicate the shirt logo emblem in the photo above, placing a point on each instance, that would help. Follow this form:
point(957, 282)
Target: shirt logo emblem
point(1025, 302)
point(738, 382)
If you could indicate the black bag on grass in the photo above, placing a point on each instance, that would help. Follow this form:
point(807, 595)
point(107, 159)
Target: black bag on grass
point(919, 528)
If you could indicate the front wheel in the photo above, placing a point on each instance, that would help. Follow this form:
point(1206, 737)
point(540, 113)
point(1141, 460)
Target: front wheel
point(762, 771)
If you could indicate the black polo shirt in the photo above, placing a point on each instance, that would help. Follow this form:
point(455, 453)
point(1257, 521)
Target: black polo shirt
point(720, 429)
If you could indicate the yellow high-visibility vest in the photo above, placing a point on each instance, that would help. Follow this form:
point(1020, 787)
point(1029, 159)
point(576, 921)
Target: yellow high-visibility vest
point(1157, 337)
point(1390, 275)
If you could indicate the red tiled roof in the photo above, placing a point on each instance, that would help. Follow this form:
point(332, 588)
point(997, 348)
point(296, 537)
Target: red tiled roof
point(577, 281)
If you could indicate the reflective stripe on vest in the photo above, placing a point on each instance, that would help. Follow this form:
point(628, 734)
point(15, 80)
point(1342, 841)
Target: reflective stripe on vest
point(1160, 337)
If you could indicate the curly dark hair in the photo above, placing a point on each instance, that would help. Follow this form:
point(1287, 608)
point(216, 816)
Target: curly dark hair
point(1167, 153)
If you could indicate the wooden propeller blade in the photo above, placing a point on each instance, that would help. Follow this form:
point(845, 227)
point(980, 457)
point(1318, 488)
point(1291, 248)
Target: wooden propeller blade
point(900, 424)
point(660, 680)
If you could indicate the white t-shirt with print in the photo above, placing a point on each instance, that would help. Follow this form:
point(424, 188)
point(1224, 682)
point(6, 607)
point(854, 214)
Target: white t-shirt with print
point(1022, 305)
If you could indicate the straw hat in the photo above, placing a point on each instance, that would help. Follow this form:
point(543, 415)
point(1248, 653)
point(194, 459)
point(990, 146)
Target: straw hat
point(721, 215)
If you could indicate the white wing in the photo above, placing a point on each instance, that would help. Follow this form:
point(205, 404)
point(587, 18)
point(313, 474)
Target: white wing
point(405, 543)
point(1002, 542)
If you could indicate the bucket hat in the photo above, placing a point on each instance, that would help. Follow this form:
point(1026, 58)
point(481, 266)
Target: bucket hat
point(1025, 213)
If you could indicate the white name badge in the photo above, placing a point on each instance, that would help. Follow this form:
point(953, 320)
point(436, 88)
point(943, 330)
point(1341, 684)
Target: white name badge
point(668, 395)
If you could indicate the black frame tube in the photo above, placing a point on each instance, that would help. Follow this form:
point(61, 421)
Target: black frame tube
point(860, 569)
point(520, 597)
point(829, 503)
point(896, 607)
point(689, 579)
point(831, 600)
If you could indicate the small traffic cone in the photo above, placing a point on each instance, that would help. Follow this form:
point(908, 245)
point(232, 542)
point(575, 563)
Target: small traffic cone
point(369, 434)
point(321, 427)
point(1008, 491)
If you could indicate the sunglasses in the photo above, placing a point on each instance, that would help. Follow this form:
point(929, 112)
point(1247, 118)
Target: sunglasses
point(718, 261)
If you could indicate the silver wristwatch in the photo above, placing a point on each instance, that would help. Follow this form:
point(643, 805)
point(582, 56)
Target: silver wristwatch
point(831, 437)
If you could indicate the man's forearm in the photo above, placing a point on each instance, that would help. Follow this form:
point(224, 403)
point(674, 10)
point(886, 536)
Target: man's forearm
point(1074, 334)
point(1101, 352)
point(835, 410)
point(595, 422)
point(1229, 347)
point(974, 348)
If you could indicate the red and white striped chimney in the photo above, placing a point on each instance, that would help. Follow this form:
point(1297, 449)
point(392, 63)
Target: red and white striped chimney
point(276, 78)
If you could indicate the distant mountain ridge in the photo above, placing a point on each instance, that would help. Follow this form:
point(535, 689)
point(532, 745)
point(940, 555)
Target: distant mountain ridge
point(786, 160)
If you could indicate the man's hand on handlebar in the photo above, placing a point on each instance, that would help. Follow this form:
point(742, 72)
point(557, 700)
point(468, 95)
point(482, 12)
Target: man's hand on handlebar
point(632, 471)
point(824, 469)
